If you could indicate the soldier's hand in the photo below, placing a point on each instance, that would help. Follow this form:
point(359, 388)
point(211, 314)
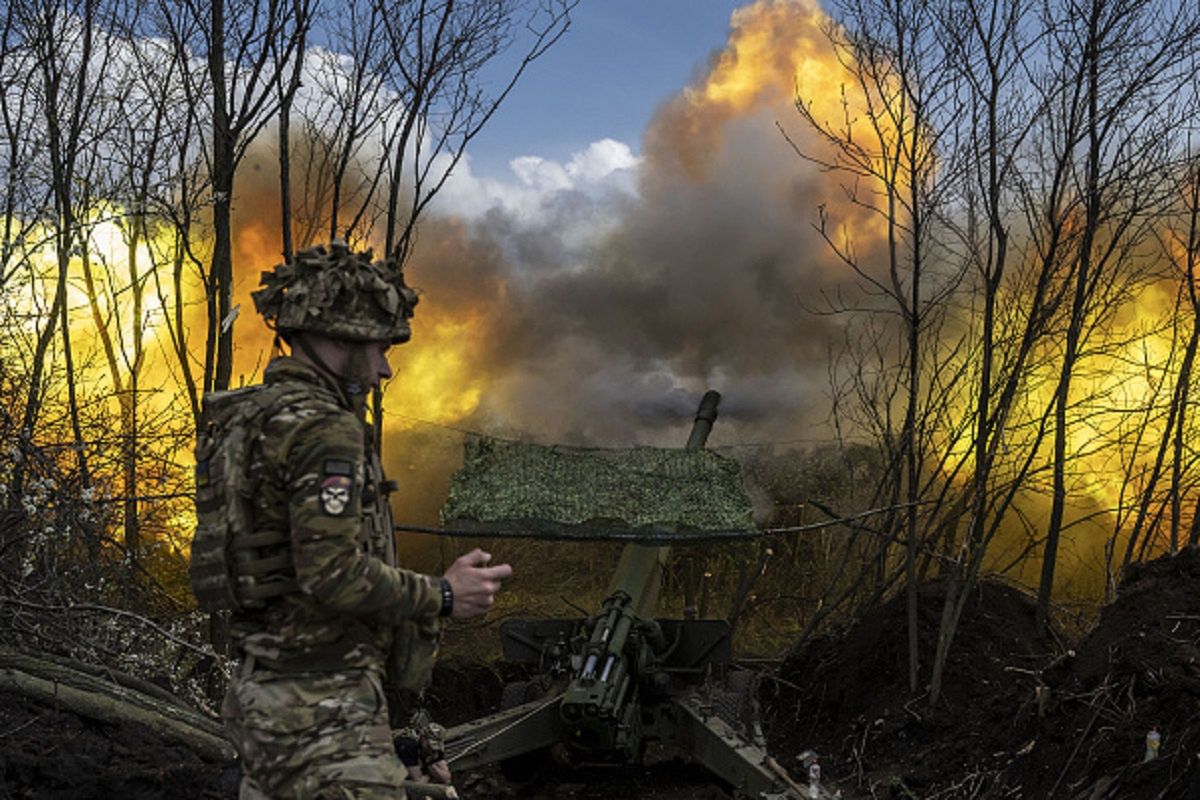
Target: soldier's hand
point(439, 772)
point(474, 583)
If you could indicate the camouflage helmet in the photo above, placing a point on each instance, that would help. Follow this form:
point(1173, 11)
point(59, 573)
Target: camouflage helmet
point(330, 290)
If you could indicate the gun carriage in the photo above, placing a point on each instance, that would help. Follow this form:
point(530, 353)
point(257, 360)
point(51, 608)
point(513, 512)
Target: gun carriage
point(609, 683)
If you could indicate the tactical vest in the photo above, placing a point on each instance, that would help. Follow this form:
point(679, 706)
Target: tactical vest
point(233, 566)
point(376, 535)
point(236, 567)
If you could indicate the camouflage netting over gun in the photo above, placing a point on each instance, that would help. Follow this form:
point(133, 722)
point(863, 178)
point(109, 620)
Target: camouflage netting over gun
point(507, 486)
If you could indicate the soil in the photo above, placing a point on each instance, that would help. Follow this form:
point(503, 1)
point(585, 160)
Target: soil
point(1019, 717)
point(46, 754)
point(846, 697)
point(1138, 669)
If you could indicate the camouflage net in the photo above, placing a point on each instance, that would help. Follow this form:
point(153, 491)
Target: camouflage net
point(507, 485)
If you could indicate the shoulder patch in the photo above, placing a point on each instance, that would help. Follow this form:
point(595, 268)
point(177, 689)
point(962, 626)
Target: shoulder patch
point(335, 494)
point(337, 466)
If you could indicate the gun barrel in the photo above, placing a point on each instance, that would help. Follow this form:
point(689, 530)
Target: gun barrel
point(706, 415)
point(639, 570)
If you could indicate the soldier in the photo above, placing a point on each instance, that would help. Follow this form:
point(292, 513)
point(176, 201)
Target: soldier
point(320, 607)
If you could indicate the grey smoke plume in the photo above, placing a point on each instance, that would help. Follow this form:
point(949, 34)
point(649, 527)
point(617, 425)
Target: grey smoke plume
point(704, 277)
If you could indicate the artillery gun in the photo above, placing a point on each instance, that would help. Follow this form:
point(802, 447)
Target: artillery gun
point(612, 682)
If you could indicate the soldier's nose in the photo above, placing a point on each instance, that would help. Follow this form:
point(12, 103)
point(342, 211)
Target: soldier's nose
point(382, 367)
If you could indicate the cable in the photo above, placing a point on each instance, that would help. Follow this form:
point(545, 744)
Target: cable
point(444, 426)
point(642, 536)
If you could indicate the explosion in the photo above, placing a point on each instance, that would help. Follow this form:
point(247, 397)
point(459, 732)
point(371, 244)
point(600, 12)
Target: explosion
point(598, 319)
point(776, 50)
point(485, 318)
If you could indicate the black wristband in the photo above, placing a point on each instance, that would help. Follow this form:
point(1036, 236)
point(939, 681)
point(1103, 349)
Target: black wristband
point(447, 599)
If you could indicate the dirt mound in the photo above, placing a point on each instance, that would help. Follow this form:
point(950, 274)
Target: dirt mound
point(846, 696)
point(1138, 669)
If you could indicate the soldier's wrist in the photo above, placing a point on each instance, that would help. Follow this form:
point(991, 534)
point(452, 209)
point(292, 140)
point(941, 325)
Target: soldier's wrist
point(447, 606)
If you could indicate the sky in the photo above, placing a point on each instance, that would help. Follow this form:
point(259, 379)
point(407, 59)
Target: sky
point(616, 64)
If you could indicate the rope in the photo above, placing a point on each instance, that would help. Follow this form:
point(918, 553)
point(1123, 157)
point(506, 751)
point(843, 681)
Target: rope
point(481, 742)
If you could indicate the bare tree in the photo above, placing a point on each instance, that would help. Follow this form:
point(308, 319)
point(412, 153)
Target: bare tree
point(901, 90)
point(1181, 467)
point(437, 52)
point(66, 55)
point(1179, 243)
point(24, 200)
point(1134, 58)
point(302, 12)
point(339, 114)
point(1019, 155)
point(245, 47)
point(179, 196)
point(990, 54)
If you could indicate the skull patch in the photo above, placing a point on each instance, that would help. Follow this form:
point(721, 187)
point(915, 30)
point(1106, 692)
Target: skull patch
point(335, 494)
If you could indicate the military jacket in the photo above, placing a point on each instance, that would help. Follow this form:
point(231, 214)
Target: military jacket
point(317, 476)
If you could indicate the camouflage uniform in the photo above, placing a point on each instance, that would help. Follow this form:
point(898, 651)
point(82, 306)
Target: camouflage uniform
point(306, 707)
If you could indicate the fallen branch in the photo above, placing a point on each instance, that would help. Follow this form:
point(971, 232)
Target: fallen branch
point(1075, 751)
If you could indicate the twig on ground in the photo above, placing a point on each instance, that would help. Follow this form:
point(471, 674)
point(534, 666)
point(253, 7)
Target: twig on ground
point(1078, 744)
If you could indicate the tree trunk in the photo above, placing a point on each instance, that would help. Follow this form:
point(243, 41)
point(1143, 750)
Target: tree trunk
point(221, 274)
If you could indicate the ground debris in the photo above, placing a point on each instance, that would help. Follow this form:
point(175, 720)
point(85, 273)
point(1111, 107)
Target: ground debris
point(50, 753)
point(1138, 669)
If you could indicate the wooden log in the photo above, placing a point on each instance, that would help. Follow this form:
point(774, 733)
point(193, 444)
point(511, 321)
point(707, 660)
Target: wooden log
point(87, 695)
point(92, 677)
point(36, 665)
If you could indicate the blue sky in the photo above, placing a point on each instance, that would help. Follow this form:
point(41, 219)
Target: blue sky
point(604, 79)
